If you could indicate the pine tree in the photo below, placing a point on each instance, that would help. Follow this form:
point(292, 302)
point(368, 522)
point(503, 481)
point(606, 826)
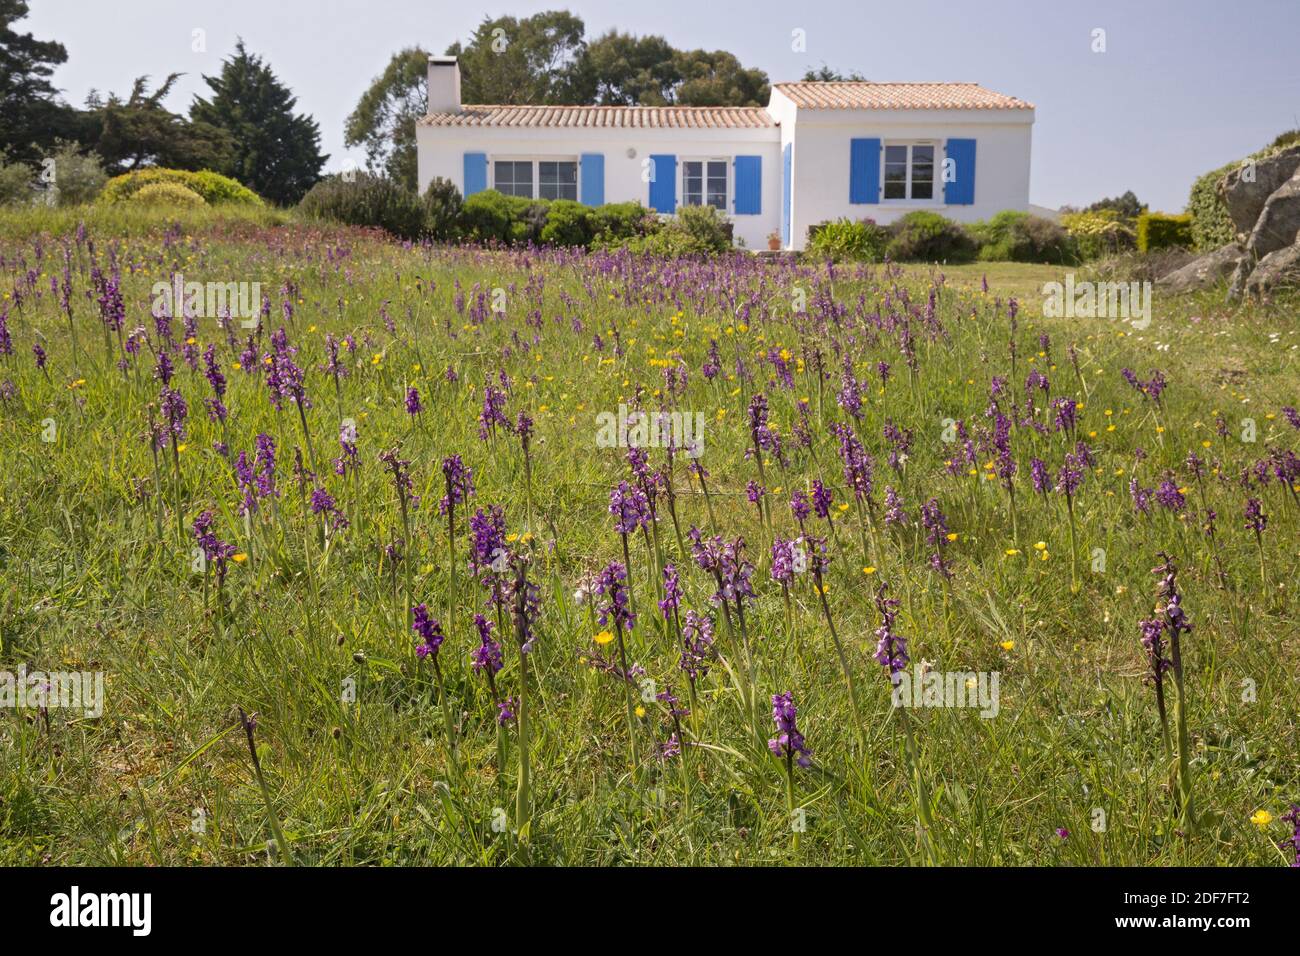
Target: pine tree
point(276, 153)
point(31, 115)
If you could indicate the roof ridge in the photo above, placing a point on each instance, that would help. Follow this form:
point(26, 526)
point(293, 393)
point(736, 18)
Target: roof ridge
point(881, 83)
point(607, 116)
point(595, 106)
point(898, 95)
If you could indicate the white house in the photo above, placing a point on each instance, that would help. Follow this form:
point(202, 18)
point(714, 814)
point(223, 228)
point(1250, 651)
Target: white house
point(817, 151)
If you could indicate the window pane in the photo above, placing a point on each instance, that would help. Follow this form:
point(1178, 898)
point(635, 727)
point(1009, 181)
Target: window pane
point(922, 172)
point(895, 172)
point(717, 184)
point(524, 179)
point(557, 180)
point(692, 184)
point(513, 178)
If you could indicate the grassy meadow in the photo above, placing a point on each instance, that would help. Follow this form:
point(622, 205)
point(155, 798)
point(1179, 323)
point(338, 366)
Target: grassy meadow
point(377, 744)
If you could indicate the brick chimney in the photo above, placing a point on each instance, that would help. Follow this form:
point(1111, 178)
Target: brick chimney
point(444, 85)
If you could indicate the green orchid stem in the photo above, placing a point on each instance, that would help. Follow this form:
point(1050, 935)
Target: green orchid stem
point(627, 693)
point(926, 823)
point(523, 796)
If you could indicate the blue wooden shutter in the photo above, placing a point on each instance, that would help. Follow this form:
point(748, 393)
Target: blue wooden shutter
point(960, 191)
point(663, 183)
point(864, 170)
point(475, 173)
point(787, 191)
point(749, 185)
point(592, 186)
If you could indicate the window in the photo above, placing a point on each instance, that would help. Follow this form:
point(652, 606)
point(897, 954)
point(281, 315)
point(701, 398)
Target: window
point(557, 180)
point(909, 171)
point(704, 183)
point(513, 178)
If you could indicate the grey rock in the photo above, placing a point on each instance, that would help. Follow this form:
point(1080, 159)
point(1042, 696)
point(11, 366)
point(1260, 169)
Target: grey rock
point(1204, 271)
point(1277, 229)
point(1278, 268)
point(1279, 220)
point(1245, 190)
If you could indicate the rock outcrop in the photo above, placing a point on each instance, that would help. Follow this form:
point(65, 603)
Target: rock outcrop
point(1245, 189)
point(1279, 220)
point(1263, 199)
point(1280, 268)
point(1204, 272)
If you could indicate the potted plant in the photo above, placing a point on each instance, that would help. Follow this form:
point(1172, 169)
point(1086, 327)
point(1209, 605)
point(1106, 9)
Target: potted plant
point(774, 241)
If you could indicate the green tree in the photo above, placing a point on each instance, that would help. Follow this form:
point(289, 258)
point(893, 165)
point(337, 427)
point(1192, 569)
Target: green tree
point(31, 114)
point(629, 70)
point(383, 121)
point(718, 79)
point(139, 131)
point(539, 59)
point(275, 152)
point(1127, 205)
point(824, 74)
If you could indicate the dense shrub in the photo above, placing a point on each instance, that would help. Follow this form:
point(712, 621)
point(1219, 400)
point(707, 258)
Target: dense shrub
point(617, 221)
point(705, 226)
point(366, 200)
point(929, 237)
point(78, 177)
point(442, 208)
point(1211, 225)
point(568, 223)
point(15, 182)
point(528, 225)
point(490, 216)
point(167, 194)
point(1157, 231)
point(1098, 232)
point(692, 231)
point(844, 240)
point(1013, 236)
point(213, 187)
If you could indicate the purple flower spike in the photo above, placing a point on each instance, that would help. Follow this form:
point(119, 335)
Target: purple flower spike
point(672, 591)
point(612, 583)
point(788, 742)
point(429, 630)
point(891, 649)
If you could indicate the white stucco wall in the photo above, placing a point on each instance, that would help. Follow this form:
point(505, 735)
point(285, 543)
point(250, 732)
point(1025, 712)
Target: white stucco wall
point(821, 160)
point(441, 152)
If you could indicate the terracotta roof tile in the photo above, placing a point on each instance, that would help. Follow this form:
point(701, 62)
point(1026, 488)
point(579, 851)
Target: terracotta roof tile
point(637, 117)
point(898, 96)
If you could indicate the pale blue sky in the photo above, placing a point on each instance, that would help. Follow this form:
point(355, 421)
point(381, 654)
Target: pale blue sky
point(1184, 86)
